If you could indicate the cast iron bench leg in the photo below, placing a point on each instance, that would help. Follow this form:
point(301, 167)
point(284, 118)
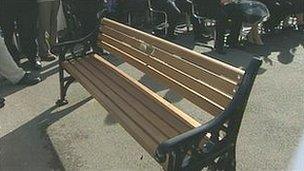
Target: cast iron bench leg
point(65, 83)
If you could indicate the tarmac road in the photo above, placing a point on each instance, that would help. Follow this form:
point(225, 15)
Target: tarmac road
point(36, 135)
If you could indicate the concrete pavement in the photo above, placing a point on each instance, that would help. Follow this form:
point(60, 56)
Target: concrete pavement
point(36, 135)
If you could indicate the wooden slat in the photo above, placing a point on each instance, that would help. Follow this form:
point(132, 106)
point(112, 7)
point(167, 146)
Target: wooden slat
point(161, 125)
point(166, 114)
point(191, 95)
point(222, 84)
point(204, 61)
point(206, 76)
point(130, 112)
point(134, 130)
point(186, 119)
point(205, 90)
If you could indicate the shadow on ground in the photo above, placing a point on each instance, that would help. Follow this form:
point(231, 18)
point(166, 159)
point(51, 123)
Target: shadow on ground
point(6, 88)
point(284, 44)
point(29, 146)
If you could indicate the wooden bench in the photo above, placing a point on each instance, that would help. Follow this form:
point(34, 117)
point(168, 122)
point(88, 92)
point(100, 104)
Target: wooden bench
point(172, 137)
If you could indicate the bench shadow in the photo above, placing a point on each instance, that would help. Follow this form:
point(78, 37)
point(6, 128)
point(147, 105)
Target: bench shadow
point(170, 95)
point(110, 119)
point(6, 88)
point(151, 84)
point(29, 147)
point(116, 61)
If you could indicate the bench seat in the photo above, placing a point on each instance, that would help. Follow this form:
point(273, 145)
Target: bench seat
point(144, 114)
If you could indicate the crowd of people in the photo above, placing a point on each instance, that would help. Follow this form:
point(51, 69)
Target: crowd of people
point(22, 17)
point(229, 15)
point(35, 23)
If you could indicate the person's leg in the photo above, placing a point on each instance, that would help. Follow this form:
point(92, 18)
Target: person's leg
point(8, 28)
point(87, 15)
point(8, 68)
point(172, 13)
point(53, 24)
point(200, 30)
point(221, 21)
point(197, 24)
point(27, 26)
point(236, 26)
point(44, 21)
point(235, 15)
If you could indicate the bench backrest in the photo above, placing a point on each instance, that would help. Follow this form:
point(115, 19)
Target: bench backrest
point(206, 82)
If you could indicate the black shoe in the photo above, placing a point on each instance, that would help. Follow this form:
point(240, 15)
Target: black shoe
point(36, 65)
point(2, 100)
point(29, 79)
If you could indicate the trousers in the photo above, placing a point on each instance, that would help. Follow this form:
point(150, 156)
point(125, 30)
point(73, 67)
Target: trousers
point(47, 22)
point(24, 13)
point(222, 15)
point(8, 67)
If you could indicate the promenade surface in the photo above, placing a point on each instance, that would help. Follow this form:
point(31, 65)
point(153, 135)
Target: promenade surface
point(36, 135)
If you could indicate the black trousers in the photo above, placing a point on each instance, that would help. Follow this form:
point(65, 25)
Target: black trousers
point(26, 19)
point(227, 12)
point(27, 27)
point(222, 15)
point(8, 27)
point(86, 13)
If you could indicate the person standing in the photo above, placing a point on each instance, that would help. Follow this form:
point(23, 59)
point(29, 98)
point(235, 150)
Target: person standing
point(47, 27)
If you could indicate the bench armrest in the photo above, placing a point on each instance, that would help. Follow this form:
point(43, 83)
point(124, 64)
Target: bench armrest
point(233, 114)
point(77, 41)
point(189, 138)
